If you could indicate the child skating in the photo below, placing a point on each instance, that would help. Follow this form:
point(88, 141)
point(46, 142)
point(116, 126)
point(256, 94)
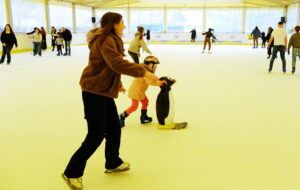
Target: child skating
point(59, 42)
point(137, 91)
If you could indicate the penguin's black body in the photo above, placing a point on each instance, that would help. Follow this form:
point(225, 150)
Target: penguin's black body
point(165, 106)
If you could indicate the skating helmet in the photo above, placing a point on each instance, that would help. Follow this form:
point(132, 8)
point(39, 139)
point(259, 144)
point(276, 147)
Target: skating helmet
point(151, 60)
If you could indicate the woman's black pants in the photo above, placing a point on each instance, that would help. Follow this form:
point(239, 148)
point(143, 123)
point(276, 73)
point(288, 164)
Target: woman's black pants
point(103, 122)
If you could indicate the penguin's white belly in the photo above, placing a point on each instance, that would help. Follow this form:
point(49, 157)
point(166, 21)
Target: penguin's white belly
point(170, 119)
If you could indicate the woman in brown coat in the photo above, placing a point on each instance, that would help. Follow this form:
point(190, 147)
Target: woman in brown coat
point(100, 83)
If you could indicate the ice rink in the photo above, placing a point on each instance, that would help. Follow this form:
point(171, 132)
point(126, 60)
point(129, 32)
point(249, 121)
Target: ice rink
point(243, 123)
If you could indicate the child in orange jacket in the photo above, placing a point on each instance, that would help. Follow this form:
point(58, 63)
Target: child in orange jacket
point(137, 91)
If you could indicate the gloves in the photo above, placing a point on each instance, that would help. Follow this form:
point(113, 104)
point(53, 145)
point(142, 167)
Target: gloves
point(122, 89)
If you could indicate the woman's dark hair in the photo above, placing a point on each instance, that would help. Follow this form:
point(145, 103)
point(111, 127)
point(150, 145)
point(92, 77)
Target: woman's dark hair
point(141, 31)
point(108, 21)
point(270, 30)
point(297, 28)
point(36, 28)
point(11, 30)
point(43, 31)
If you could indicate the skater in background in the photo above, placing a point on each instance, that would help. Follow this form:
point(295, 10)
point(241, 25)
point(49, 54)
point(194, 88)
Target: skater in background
point(44, 40)
point(270, 30)
point(147, 34)
point(295, 43)
point(207, 39)
point(263, 38)
point(256, 34)
point(279, 36)
point(53, 37)
point(137, 92)
point(29, 34)
point(37, 42)
point(101, 83)
point(8, 40)
point(59, 42)
point(136, 43)
point(67, 35)
point(193, 35)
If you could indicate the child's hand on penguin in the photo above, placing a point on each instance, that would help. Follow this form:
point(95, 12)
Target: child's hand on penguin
point(163, 82)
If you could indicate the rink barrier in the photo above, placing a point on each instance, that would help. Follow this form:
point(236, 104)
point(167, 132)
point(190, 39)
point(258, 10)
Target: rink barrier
point(153, 42)
point(25, 43)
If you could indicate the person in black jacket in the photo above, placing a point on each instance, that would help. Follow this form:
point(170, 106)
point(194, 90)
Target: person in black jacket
point(264, 40)
point(147, 34)
point(193, 35)
point(44, 40)
point(68, 38)
point(256, 34)
point(270, 30)
point(8, 40)
point(53, 37)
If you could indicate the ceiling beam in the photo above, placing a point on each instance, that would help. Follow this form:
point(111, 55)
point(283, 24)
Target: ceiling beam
point(167, 3)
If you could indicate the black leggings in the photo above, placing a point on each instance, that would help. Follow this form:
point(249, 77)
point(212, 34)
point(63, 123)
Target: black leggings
point(134, 56)
point(53, 44)
point(59, 49)
point(6, 51)
point(103, 122)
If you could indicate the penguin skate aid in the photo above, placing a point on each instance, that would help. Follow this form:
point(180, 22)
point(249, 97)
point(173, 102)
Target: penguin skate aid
point(165, 107)
point(137, 92)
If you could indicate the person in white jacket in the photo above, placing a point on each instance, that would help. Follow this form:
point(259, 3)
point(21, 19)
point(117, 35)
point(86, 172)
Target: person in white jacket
point(37, 42)
point(136, 43)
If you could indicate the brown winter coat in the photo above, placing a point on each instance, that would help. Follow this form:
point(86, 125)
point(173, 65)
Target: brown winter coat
point(139, 86)
point(102, 75)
